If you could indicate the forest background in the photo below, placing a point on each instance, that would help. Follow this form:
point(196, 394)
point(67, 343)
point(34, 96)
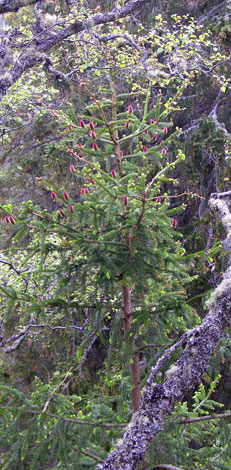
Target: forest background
point(115, 235)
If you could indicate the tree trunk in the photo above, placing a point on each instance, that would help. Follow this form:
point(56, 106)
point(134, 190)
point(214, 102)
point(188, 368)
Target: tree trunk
point(135, 368)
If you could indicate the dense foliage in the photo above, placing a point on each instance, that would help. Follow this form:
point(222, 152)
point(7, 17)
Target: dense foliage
point(112, 149)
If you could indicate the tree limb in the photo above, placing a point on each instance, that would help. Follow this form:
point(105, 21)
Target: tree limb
point(158, 400)
point(34, 52)
point(7, 6)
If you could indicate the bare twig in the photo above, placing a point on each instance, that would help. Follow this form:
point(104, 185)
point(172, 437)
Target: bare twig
point(55, 390)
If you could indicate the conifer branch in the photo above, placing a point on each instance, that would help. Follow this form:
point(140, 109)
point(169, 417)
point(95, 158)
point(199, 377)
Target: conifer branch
point(92, 456)
point(204, 418)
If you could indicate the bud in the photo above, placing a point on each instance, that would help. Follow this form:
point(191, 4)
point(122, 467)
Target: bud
point(53, 195)
point(113, 173)
point(145, 149)
point(72, 168)
point(80, 155)
point(91, 125)
point(91, 180)
point(70, 128)
point(7, 219)
point(71, 209)
point(174, 223)
point(164, 151)
point(130, 109)
point(158, 199)
point(65, 195)
point(127, 124)
point(152, 121)
point(95, 146)
point(154, 137)
point(93, 134)
point(11, 219)
point(125, 200)
point(165, 130)
point(82, 123)
point(61, 212)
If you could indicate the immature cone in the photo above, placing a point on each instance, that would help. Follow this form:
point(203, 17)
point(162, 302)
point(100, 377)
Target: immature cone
point(152, 121)
point(165, 130)
point(53, 195)
point(91, 125)
point(145, 149)
point(95, 146)
point(93, 134)
point(80, 155)
point(82, 123)
point(121, 153)
point(71, 208)
point(174, 223)
point(125, 200)
point(72, 168)
point(61, 212)
point(164, 151)
point(7, 219)
point(91, 180)
point(11, 219)
point(113, 173)
point(158, 199)
point(70, 128)
point(154, 137)
point(65, 195)
point(127, 124)
point(130, 108)
point(84, 190)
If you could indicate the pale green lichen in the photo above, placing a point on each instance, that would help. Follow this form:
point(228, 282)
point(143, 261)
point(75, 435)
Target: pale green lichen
point(219, 292)
point(227, 222)
point(6, 76)
point(172, 370)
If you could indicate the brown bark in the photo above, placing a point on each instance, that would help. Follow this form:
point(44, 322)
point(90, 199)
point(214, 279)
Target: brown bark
point(135, 368)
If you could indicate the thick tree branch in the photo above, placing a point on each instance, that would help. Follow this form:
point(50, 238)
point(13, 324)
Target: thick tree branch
point(158, 400)
point(14, 5)
point(34, 52)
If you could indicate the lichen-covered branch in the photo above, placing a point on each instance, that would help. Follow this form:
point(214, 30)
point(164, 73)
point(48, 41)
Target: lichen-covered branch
point(199, 344)
point(34, 52)
point(14, 5)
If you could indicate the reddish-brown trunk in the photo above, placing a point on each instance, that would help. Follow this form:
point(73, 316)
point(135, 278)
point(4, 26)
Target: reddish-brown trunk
point(135, 369)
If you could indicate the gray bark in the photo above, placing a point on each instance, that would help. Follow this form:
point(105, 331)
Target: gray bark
point(199, 344)
point(14, 5)
point(34, 53)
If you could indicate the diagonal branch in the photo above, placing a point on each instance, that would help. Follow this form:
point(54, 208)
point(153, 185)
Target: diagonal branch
point(158, 400)
point(14, 5)
point(34, 52)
